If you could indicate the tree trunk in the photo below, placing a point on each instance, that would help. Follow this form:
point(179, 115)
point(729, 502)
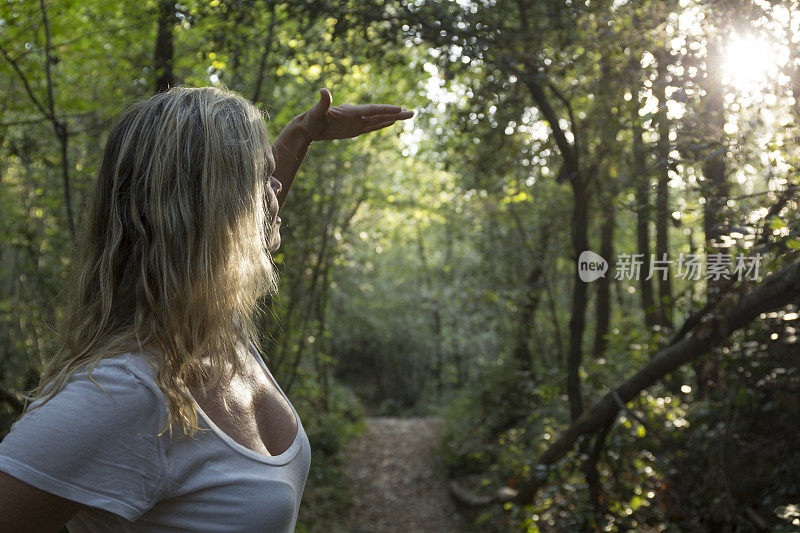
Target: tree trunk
point(63, 143)
point(59, 126)
point(571, 171)
point(662, 193)
point(642, 177)
point(533, 292)
point(262, 65)
point(577, 320)
point(553, 312)
point(522, 350)
point(604, 284)
point(163, 58)
point(715, 184)
point(716, 191)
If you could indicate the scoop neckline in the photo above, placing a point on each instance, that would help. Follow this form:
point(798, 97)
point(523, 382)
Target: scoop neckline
point(276, 460)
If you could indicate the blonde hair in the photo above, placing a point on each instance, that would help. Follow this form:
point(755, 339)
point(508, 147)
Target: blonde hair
point(173, 252)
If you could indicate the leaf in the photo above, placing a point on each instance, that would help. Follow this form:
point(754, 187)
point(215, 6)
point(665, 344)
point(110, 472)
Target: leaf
point(777, 223)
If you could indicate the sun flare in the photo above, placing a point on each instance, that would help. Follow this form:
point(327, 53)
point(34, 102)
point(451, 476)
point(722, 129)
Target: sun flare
point(749, 63)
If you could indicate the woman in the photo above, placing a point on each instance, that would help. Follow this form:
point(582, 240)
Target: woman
point(158, 339)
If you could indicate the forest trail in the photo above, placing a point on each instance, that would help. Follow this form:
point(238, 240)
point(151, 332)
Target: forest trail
point(397, 484)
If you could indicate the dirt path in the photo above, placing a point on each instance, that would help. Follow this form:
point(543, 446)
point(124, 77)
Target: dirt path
point(397, 485)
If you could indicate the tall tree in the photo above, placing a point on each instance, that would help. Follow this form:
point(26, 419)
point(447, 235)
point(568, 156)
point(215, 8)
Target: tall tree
point(164, 54)
point(663, 167)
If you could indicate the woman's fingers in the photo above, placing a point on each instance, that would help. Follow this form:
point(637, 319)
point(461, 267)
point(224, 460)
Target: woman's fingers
point(379, 109)
point(370, 110)
point(378, 119)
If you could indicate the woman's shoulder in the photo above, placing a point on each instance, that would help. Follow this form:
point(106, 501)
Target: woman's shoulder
point(119, 384)
point(138, 365)
point(96, 440)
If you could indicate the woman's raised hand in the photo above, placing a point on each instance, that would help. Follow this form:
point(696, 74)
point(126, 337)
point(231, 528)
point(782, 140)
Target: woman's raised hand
point(322, 122)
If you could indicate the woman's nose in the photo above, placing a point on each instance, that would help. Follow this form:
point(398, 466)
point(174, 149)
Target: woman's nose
point(275, 184)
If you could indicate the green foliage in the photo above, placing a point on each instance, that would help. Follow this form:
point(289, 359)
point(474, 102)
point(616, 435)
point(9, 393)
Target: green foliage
point(329, 431)
point(430, 269)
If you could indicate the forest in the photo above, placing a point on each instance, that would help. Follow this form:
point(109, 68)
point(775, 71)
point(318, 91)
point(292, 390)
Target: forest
point(581, 257)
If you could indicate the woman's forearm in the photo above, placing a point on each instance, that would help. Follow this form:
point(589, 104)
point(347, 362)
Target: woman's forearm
point(289, 149)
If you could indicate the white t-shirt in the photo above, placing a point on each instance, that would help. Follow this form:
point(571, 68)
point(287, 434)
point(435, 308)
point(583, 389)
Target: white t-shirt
point(104, 451)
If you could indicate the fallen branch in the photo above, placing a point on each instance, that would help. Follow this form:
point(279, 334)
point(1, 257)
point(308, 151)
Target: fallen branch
point(775, 292)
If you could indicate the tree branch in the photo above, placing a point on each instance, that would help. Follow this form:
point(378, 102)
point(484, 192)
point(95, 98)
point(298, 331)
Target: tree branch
point(267, 50)
point(59, 127)
point(558, 94)
point(25, 83)
point(48, 111)
point(571, 169)
point(47, 61)
point(775, 292)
